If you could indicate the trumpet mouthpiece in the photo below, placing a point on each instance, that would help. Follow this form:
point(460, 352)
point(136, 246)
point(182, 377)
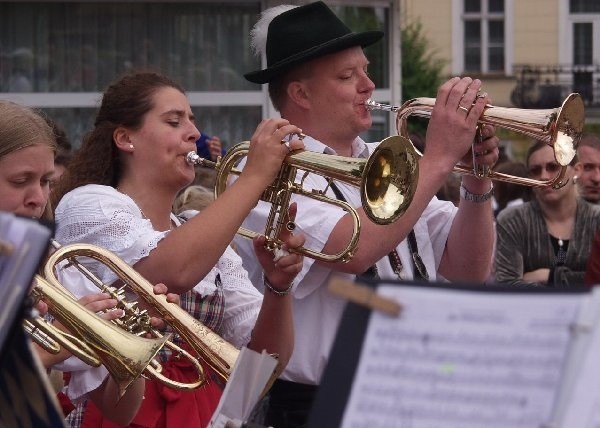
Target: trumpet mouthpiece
point(373, 105)
point(192, 158)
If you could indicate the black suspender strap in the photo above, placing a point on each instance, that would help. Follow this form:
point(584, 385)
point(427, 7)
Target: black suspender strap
point(419, 269)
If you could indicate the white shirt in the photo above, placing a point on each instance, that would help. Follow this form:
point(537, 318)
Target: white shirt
point(316, 311)
point(102, 216)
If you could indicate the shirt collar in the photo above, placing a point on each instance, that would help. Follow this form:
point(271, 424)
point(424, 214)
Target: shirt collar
point(359, 147)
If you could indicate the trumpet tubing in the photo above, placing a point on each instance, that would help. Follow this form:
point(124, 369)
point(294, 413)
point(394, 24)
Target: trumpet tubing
point(560, 128)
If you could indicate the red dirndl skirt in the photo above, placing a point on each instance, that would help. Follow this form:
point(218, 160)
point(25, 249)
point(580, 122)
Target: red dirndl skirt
point(164, 407)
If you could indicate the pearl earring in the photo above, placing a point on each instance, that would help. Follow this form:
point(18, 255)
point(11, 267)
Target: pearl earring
point(131, 146)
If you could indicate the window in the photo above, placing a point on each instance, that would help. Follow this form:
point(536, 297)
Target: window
point(61, 55)
point(584, 6)
point(484, 38)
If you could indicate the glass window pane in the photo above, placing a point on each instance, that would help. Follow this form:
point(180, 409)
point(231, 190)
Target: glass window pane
point(472, 46)
point(473, 32)
point(74, 47)
point(582, 43)
point(584, 6)
point(232, 124)
point(472, 5)
point(473, 59)
point(496, 58)
point(496, 32)
point(496, 6)
point(76, 122)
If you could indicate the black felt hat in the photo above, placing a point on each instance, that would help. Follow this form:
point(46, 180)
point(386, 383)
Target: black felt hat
point(305, 33)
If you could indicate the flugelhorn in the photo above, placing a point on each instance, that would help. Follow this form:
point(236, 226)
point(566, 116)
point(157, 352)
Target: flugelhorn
point(217, 353)
point(124, 355)
point(387, 181)
point(560, 128)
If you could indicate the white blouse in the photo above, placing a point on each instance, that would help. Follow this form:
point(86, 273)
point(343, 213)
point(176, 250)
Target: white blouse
point(103, 216)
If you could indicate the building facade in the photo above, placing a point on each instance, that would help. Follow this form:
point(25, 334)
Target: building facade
point(529, 54)
point(61, 55)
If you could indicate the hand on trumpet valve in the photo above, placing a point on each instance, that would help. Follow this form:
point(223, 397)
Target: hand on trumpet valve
point(266, 152)
point(484, 150)
point(281, 266)
point(157, 321)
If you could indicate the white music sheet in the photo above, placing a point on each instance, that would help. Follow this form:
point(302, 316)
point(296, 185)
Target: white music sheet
point(457, 359)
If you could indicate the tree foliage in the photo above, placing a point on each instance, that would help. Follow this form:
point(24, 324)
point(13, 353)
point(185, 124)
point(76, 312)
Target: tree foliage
point(421, 69)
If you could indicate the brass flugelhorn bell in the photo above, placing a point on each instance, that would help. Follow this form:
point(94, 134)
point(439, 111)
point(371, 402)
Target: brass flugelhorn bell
point(216, 352)
point(124, 355)
point(387, 181)
point(561, 128)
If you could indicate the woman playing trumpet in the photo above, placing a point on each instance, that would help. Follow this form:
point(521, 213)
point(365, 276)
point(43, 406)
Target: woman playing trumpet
point(118, 193)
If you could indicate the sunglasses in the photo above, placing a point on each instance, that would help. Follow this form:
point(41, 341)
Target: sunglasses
point(536, 170)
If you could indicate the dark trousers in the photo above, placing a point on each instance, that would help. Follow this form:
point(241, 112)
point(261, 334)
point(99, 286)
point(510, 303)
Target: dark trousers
point(289, 404)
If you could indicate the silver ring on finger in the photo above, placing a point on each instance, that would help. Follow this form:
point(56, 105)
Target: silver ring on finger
point(466, 110)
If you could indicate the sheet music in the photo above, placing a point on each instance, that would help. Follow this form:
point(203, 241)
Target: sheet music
point(29, 240)
point(462, 359)
point(580, 397)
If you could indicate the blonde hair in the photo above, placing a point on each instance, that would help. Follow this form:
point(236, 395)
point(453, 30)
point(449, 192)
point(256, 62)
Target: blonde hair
point(194, 197)
point(22, 127)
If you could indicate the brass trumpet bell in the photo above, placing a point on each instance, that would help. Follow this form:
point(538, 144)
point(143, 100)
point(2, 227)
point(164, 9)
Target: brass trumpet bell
point(560, 128)
point(387, 181)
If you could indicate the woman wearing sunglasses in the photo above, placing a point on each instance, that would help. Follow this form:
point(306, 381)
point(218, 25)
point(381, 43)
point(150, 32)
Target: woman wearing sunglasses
point(546, 241)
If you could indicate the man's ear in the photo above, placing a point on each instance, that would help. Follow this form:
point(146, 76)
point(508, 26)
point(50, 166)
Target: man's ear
point(122, 140)
point(297, 92)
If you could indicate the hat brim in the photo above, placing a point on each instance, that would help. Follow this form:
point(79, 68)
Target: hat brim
point(347, 41)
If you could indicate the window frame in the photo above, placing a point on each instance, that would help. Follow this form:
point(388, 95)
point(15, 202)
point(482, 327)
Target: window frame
point(458, 37)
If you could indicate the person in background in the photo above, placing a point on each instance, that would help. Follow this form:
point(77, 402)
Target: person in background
point(319, 80)
point(209, 147)
point(110, 197)
point(507, 194)
point(64, 149)
point(592, 270)
point(587, 168)
point(546, 241)
point(193, 198)
point(27, 151)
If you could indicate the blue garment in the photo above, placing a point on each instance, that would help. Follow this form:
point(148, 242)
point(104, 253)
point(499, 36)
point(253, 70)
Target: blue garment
point(202, 148)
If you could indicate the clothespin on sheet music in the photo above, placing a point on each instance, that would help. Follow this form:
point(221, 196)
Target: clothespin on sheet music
point(6, 248)
point(365, 296)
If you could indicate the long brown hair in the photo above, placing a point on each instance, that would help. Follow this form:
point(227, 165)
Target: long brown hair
point(124, 103)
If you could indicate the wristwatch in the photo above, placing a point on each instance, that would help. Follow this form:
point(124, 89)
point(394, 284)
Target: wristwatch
point(474, 197)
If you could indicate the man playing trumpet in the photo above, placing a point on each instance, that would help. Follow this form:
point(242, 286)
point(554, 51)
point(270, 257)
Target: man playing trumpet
point(320, 83)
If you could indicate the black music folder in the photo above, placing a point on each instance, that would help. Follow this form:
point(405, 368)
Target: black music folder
point(465, 357)
point(26, 398)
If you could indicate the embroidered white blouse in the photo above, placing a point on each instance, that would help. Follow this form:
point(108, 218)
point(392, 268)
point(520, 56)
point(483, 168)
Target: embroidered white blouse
point(102, 216)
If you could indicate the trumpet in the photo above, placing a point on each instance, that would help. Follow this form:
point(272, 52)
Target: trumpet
point(560, 128)
point(387, 181)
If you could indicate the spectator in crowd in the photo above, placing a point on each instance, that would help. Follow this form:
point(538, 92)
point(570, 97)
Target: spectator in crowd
point(546, 241)
point(587, 168)
point(507, 194)
point(592, 272)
